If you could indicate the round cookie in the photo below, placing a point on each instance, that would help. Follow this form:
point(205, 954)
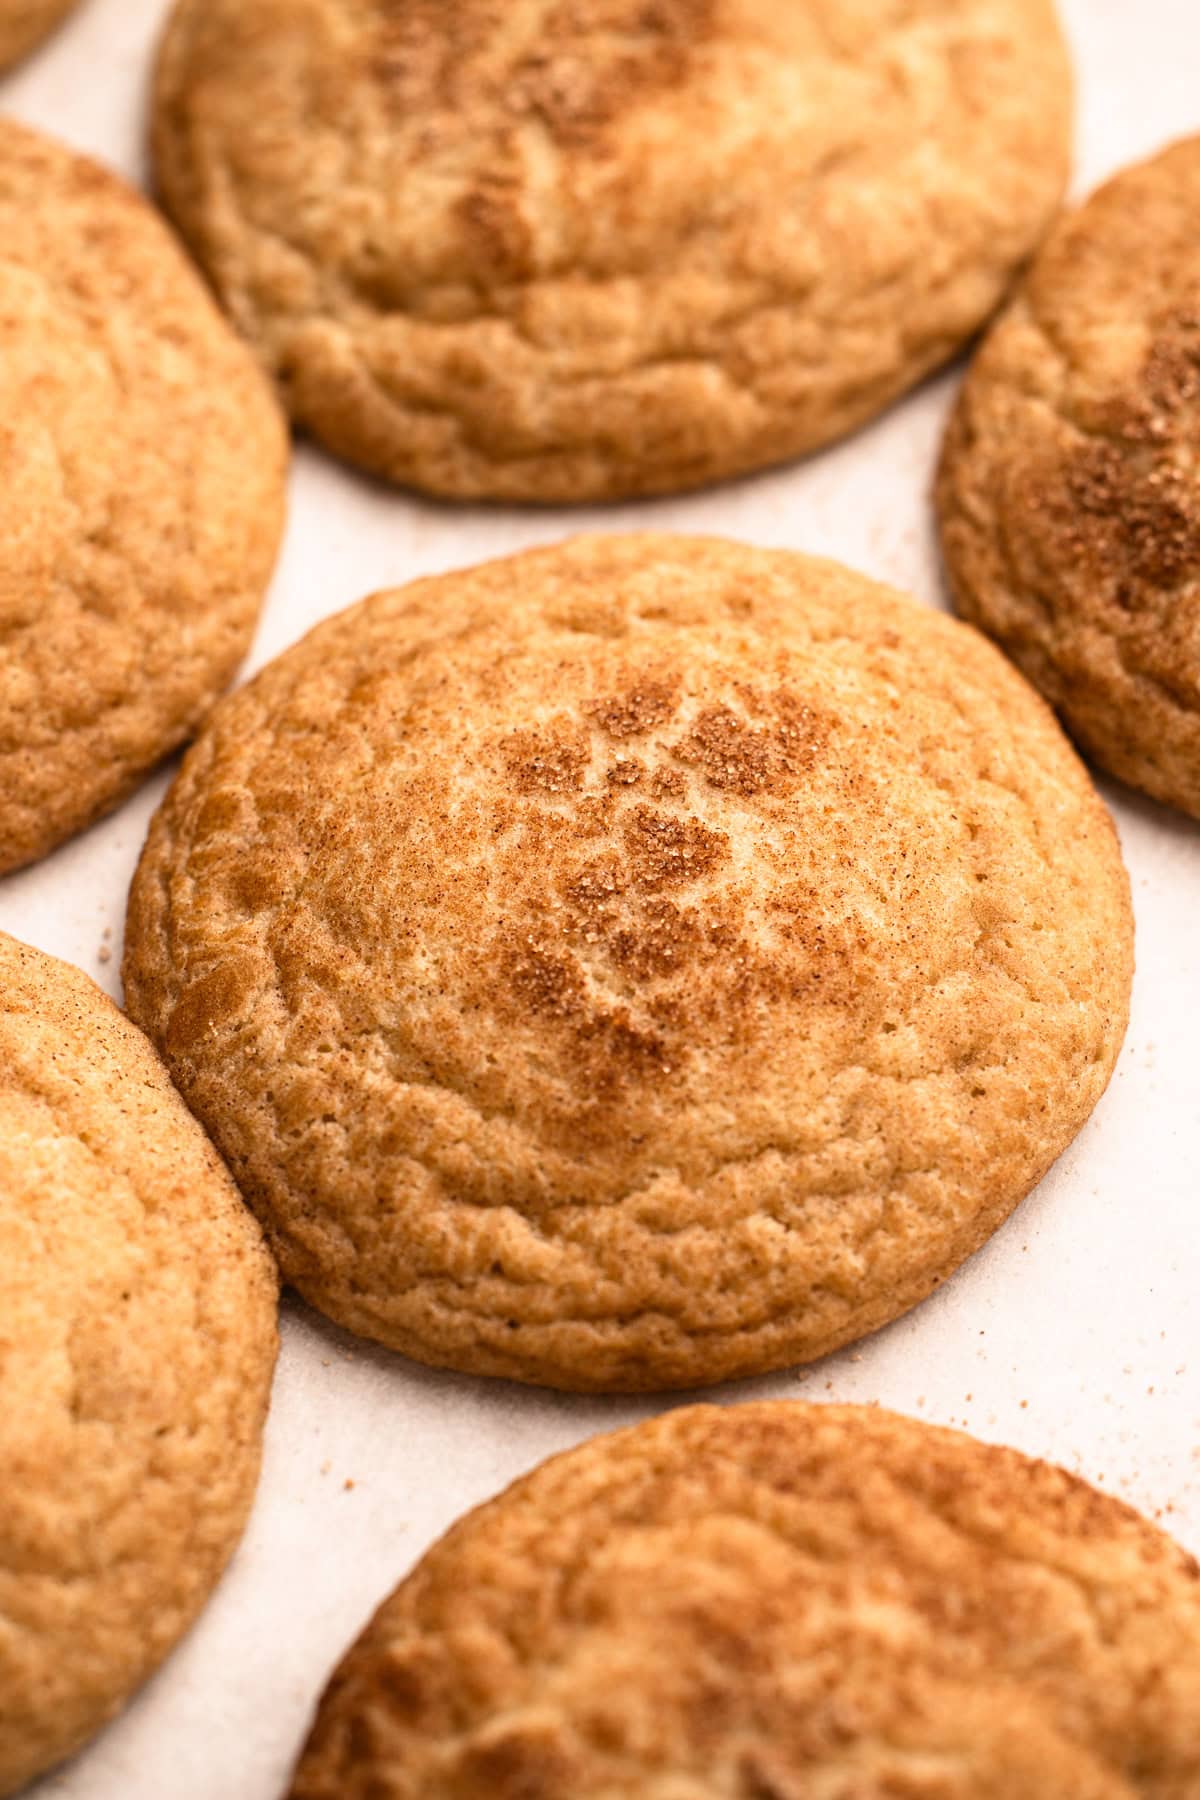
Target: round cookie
point(635, 963)
point(776, 1601)
point(142, 469)
point(1069, 492)
point(565, 250)
point(24, 23)
point(137, 1340)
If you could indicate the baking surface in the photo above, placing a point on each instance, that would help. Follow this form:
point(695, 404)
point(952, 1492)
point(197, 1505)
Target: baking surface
point(1070, 1335)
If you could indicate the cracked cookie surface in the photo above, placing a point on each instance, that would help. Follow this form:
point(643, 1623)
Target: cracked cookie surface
point(137, 1340)
point(635, 963)
point(778, 1602)
point(24, 24)
point(561, 250)
point(142, 469)
point(1069, 491)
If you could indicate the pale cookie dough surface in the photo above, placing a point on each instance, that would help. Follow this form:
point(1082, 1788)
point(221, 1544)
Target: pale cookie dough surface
point(560, 250)
point(1069, 492)
point(778, 1602)
point(24, 23)
point(632, 964)
point(137, 1340)
point(142, 469)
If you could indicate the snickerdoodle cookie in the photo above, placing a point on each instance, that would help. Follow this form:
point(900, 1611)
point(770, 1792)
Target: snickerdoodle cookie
point(567, 249)
point(137, 1339)
point(1069, 491)
point(24, 23)
point(778, 1602)
point(142, 466)
point(634, 963)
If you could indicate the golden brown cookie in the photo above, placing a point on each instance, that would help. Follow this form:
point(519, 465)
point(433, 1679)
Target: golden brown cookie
point(24, 23)
point(142, 467)
point(1069, 491)
point(563, 250)
point(137, 1339)
point(778, 1602)
point(635, 963)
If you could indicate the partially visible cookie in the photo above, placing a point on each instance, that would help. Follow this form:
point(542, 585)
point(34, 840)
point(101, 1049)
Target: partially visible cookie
point(635, 963)
point(137, 1340)
point(24, 23)
point(778, 1602)
point(142, 469)
point(1069, 492)
point(562, 250)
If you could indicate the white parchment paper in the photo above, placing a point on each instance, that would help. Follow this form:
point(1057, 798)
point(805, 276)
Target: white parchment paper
point(1072, 1335)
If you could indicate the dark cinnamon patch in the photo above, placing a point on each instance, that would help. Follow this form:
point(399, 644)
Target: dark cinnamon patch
point(619, 1048)
point(1142, 525)
point(632, 952)
point(542, 981)
point(549, 761)
point(209, 1005)
point(819, 961)
point(738, 756)
point(492, 214)
point(664, 940)
point(626, 772)
point(643, 705)
point(665, 852)
point(599, 68)
point(412, 1681)
point(1130, 500)
point(668, 784)
point(255, 887)
point(597, 883)
point(1172, 370)
point(594, 815)
point(603, 1041)
point(520, 1761)
point(410, 54)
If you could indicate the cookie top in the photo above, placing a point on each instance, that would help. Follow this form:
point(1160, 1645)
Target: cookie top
point(1069, 492)
point(633, 963)
point(142, 467)
point(24, 23)
point(137, 1340)
point(567, 249)
point(778, 1601)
